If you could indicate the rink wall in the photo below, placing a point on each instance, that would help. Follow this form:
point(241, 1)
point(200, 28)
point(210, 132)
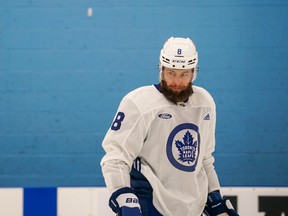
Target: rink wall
point(94, 201)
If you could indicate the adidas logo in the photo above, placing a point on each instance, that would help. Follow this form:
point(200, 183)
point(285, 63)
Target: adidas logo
point(207, 117)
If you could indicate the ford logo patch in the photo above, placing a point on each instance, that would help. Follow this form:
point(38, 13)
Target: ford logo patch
point(165, 116)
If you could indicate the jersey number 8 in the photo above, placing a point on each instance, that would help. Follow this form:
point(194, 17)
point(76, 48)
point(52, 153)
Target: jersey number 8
point(117, 122)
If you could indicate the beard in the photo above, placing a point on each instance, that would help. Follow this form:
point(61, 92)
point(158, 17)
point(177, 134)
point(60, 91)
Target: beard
point(174, 96)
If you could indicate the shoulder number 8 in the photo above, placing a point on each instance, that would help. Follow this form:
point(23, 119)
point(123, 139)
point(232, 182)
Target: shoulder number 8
point(118, 120)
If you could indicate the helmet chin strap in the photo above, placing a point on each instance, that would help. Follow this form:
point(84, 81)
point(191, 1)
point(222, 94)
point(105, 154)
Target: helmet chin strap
point(195, 72)
point(160, 72)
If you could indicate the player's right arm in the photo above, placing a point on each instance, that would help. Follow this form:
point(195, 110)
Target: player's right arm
point(122, 144)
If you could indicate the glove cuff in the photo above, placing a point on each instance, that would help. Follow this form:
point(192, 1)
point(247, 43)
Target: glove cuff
point(124, 197)
point(216, 203)
point(214, 197)
point(219, 205)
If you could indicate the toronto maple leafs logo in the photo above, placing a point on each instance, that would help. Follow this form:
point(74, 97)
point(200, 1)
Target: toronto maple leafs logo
point(187, 148)
point(183, 147)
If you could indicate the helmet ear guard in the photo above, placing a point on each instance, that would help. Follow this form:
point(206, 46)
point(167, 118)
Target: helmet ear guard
point(179, 53)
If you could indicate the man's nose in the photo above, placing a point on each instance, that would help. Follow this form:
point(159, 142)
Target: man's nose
point(177, 81)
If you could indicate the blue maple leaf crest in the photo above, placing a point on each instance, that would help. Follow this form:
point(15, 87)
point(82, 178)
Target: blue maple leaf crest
point(187, 148)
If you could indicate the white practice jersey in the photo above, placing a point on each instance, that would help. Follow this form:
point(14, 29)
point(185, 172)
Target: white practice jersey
point(174, 144)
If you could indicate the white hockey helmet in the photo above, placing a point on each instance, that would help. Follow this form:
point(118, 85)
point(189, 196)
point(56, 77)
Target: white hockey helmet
point(179, 53)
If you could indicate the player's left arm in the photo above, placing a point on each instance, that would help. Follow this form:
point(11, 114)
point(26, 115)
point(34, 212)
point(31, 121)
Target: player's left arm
point(208, 159)
point(216, 204)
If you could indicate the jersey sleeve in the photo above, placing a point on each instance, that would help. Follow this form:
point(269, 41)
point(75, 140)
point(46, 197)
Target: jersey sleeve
point(208, 160)
point(122, 144)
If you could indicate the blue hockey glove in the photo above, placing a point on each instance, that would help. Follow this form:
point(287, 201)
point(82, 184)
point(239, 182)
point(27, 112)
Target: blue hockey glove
point(125, 203)
point(216, 205)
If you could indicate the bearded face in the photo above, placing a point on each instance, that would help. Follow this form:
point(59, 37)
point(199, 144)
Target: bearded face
point(176, 84)
point(176, 96)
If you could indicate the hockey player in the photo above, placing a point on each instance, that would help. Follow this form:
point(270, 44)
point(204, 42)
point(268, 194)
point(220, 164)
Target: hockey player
point(159, 148)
